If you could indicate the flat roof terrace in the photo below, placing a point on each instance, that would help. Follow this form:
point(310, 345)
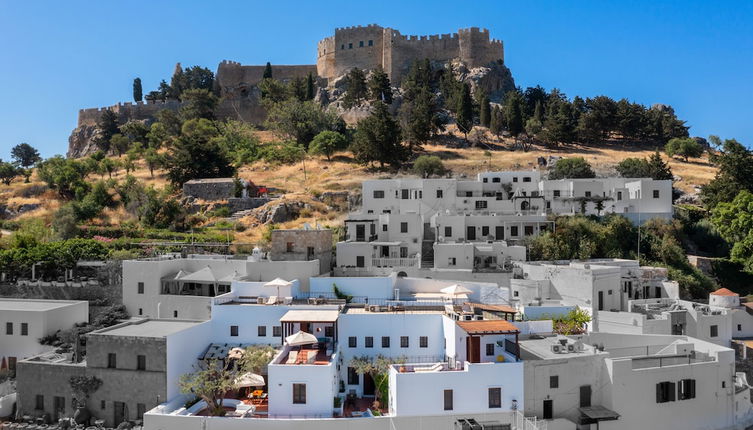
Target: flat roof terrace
point(147, 328)
point(34, 305)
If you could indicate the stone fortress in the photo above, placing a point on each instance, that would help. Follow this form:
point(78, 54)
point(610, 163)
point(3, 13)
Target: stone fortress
point(367, 47)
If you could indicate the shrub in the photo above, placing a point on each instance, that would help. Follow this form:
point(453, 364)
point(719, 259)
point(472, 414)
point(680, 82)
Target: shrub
point(426, 166)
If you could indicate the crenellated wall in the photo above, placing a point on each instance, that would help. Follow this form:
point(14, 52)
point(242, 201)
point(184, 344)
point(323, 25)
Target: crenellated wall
point(126, 111)
point(232, 75)
point(373, 46)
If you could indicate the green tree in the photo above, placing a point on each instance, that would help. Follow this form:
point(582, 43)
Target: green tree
point(533, 127)
point(67, 177)
point(310, 87)
point(137, 91)
point(514, 113)
point(427, 166)
point(559, 126)
point(734, 222)
point(571, 168)
point(8, 172)
point(273, 91)
point(464, 111)
point(657, 169)
point(302, 121)
point(379, 86)
point(356, 90)
point(377, 139)
point(107, 126)
point(496, 122)
point(484, 110)
point(298, 88)
point(633, 168)
point(267, 74)
point(25, 155)
point(135, 131)
point(119, 143)
point(239, 141)
point(327, 142)
point(198, 103)
point(198, 154)
point(735, 172)
point(153, 160)
point(64, 222)
point(683, 147)
point(417, 115)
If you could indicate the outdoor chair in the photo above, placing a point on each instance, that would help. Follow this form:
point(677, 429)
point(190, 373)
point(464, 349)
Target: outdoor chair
point(288, 300)
point(272, 300)
point(311, 357)
point(242, 409)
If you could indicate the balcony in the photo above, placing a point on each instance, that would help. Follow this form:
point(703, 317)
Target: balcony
point(395, 262)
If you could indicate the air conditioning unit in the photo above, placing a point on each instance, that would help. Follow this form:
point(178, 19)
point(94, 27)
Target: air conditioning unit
point(570, 347)
point(557, 349)
point(579, 346)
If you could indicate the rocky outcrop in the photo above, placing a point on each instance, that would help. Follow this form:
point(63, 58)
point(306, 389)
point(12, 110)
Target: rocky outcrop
point(81, 141)
point(495, 79)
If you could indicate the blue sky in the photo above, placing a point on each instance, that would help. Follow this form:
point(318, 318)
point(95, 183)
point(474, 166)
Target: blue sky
point(57, 57)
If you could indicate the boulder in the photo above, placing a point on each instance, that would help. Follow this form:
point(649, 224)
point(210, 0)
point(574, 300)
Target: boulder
point(81, 141)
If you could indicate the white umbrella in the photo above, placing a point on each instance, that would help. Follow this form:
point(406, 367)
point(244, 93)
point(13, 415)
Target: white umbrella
point(236, 353)
point(277, 283)
point(249, 380)
point(301, 338)
point(455, 290)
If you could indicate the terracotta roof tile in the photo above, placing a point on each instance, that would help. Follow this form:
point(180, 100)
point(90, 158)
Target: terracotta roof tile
point(488, 327)
point(724, 292)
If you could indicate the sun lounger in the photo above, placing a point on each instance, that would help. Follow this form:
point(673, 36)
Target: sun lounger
point(272, 300)
point(311, 357)
point(242, 409)
point(288, 300)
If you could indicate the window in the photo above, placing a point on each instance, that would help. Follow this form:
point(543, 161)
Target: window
point(111, 361)
point(141, 362)
point(469, 193)
point(665, 392)
point(714, 331)
point(514, 230)
point(233, 330)
point(656, 194)
point(440, 194)
point(686, 389)
point(141, 287)
point(526, 179)
point(103, 405)
point(261, 330)
point(588, 194)
point(451, 261)
point(371, 43)
point(489, 349)
point(141, 311)
point(515, 293)
point(495, 397)
point(739, 327)
point(360, 261)
point(515, 179)
point(140, 411)
point(276, 331)
point(403, 227)
point(360, 44)
point(404, 341)
point(39, 402)
point(528, 230)
point(609, 292)
point(299, 394)
point(329, 331)
point(353, 376)
point(368, 342)
point(486, 180)
point(448, 400)
point(448, 231)
point(554, 381)
point(289, 247)
point(619, 195)
point(342, 46)
point(485, 230)
point(556, 193)
point(352, 342)
point(24, 329)
point(350, 46)
point(481, 204)
point(385, 341)
point(175, 314)
point(496, 180)
point(405, 194)
point(9, 328)
point(423, 342)
point(384, 227)
point(378, 194)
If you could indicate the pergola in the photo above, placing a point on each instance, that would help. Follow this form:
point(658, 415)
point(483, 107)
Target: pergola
point(477, 329)
point(305, 318)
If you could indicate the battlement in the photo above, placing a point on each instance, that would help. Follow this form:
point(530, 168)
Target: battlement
point(358, 27)
point(229, 63)
point(127, 111)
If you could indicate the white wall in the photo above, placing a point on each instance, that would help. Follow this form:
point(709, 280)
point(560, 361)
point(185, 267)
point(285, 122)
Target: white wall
point(320, 381)
point(182, 350)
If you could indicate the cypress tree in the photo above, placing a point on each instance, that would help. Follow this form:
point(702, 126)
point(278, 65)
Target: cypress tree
point(514, 113)
point(495, 123)
point(464, 111)
point(267, 71)
point(484, 111)
point(310, 87)
point(137, 92)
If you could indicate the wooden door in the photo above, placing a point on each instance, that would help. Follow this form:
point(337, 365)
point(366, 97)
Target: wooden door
point(369, 388)
point(473, 349)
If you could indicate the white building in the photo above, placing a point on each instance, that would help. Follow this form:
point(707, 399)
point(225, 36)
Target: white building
point(635, 381)
point(414, 225)
point(181, 288)
point(25, 321)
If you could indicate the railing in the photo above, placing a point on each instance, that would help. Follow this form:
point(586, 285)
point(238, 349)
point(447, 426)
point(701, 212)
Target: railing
point(393, 262)
point(523, 422)
point(665, 361)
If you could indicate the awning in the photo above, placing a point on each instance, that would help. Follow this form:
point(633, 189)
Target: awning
point(204, 275)
point(310, 316)
point(598, 413)
point(488, 327)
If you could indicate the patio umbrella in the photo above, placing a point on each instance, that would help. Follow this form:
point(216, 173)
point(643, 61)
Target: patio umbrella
point(455, 290)
point(236, 353)
point(301, 338)
point(249, 380)
point(277, 283)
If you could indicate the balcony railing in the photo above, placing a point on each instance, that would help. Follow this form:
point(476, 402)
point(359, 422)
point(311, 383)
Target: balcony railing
point(395, 262)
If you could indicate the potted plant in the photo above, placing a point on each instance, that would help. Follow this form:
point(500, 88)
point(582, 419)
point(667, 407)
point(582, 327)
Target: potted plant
point(337, 406)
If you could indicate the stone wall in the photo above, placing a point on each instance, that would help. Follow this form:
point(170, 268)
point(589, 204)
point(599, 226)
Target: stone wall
point(210, 189)
point(232, 77)
point(300, 241)
point(374, 46)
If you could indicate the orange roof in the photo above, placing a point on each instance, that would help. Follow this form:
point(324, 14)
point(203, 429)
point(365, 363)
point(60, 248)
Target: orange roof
point(488, 327)
point(493, 308)
point(724, 292)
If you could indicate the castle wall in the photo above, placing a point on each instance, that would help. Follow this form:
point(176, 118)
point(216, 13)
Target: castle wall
point(126, 111)
point(351, 47)
point(231, 74)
